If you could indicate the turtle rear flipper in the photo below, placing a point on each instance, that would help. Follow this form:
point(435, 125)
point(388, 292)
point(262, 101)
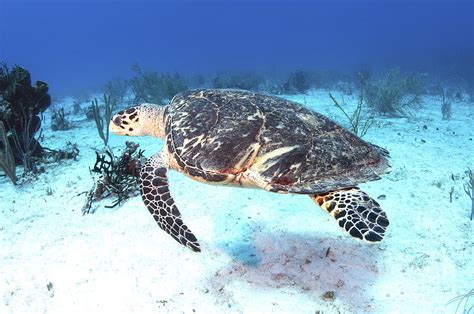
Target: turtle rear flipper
point(355, 212)
point(157, 198)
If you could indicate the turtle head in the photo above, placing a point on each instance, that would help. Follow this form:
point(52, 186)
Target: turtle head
point(145, 119)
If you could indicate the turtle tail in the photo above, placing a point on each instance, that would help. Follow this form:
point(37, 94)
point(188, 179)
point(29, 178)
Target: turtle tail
point(355, 212)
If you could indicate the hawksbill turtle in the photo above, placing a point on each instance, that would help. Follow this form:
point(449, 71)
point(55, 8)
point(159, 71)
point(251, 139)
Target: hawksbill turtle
point(244, 139)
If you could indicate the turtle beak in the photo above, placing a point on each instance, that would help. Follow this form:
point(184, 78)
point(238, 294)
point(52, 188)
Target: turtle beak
point(115, 125)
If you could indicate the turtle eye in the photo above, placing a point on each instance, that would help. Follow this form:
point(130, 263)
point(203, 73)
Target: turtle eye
point(117, 121)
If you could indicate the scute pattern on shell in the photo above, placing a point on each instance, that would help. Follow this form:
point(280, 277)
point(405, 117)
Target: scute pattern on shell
point(217, 134)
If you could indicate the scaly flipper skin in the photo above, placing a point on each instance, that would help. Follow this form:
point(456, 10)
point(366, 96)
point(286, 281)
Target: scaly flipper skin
point(157, 198)
point(356, 213)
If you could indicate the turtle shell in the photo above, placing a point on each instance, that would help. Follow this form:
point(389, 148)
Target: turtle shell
point(214, 134)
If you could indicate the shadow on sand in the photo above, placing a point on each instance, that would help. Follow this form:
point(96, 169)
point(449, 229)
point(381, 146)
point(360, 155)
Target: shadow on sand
point(305, 264)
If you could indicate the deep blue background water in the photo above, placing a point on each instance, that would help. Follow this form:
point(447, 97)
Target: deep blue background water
point(81, 44)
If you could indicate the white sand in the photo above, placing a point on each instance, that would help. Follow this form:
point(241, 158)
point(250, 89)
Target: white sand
point(261, 252)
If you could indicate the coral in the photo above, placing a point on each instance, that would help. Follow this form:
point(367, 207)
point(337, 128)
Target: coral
point(102, 122)
point(470, 90)
point(395, 94)
point(82, 96)
point(464, 302)
point(59, 122)
point(70, 152)
point(359, 123)
point(469, 189)
point(153, 87)
point(116, 89)
point(436, 89)
point(446, 108)
point(90, 111)
point(76, 107)
point(197, 81)
point(118, 176)
point(244, 80)
point(21, 106)
point(345, 87)
point(7, 161)
point(297, 83)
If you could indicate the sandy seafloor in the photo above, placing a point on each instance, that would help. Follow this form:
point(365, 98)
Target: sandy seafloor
point(261, 252)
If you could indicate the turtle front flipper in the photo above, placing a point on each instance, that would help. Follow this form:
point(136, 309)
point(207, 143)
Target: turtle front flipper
point(355, 212)
point(157, 198)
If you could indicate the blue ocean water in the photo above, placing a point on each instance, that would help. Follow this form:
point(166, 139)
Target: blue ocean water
point(72, 44)
point(75, 235)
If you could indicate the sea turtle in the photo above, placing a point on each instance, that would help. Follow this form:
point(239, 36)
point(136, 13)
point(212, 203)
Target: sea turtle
point(244, 139)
